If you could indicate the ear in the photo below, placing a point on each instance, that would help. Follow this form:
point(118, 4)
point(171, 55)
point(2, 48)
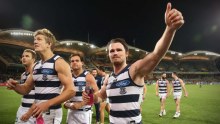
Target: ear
point(49, 43)
point(127, 53)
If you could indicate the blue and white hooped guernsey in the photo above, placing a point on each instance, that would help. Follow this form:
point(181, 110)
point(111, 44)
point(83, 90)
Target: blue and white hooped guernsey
point(124, 98)
point(177, 86)
point(162, 84)
point(80, 84)
point(27, 100)
point(47, 83)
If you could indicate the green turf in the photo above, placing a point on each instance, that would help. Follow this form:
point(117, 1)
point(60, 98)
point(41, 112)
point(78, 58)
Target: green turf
point(201, 107)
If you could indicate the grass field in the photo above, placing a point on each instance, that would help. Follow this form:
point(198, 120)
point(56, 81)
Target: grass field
point(201, 107)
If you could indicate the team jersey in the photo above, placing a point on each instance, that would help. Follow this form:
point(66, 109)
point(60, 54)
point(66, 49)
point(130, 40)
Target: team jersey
point(47, 83)
point(177, 86)
point(27, 100)
point(124, 98)
point(80, 84)
point(162, 84)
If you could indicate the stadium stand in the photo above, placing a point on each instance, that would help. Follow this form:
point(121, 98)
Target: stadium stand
point(193, 66)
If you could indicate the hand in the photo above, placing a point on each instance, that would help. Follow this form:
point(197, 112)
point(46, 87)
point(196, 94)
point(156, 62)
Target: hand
point(173, 18)
point(39, 109)
point(143, 97)
point(25, 117)
point(157, 94)
point(66, 104)
point(86, 98)
point(78, 105)
point(11, 84)
point(186, 95)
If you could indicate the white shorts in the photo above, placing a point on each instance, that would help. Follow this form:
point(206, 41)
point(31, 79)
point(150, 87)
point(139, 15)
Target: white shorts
point(21, 111)
point(53, 116)
point(79, 117)
point(177, 95)
point(162, 95)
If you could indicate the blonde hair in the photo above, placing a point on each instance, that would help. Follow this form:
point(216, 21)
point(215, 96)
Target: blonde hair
point(49, 37)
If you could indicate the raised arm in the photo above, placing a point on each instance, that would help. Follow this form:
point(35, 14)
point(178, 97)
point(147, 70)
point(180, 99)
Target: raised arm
point(174, 20)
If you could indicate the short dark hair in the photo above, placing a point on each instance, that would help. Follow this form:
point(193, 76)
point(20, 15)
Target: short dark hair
point(175, 73)
point(76, 54)
point(163, 73)
point(101, 68)
point(118, 40)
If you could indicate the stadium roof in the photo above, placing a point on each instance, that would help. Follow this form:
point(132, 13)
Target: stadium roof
point(25, 38)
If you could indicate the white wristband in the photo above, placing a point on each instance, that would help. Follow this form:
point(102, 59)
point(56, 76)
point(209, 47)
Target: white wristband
point(71, 104)
point(68, 105)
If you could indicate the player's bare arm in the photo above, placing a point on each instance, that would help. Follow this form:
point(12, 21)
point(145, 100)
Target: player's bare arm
point(174, 20)
point(184, 88)
point(156, 88)
point(22, 89)
point(91, 82)
point(64, 74)
point(168, 87)
point(101, 95)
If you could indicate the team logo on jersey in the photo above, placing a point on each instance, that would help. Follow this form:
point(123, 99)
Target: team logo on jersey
point(80, 83)
point(46, 71)
point(123, 90)
point(44, 77)
point(122, 83)
point(80, 88)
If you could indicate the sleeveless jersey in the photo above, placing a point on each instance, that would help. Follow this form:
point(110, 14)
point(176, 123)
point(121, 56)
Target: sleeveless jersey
point(124, 98)
point(47, 83)
point(177, 86)
point(80, 84)
point(162, 84)
point(27, 100)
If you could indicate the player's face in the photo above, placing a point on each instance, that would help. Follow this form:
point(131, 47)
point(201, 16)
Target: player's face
point(117, 53)
point(40, 43)
point(26, 58)
point(173, 75)
point(94, 73)
point(76, 63)
point(164, 75)
point(99, 72)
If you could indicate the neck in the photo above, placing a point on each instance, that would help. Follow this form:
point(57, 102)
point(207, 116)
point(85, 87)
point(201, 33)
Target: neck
point(76, 73)
point(175, 78)
point(46, 55)
point(118, 68)
point(28, 68)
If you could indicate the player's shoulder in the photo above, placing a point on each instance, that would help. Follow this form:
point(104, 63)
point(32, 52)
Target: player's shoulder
point(89, 76)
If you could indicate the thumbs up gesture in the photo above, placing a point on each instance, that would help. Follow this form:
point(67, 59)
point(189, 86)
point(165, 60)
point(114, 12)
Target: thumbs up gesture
point(173, 18)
